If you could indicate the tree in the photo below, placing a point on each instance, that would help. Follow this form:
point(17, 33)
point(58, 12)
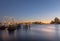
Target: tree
point(52, 22)
point(57, 20)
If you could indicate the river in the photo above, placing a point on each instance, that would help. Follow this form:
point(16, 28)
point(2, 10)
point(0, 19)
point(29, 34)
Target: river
point(35, 33)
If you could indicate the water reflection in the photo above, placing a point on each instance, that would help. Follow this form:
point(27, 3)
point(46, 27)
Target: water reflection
point(27, 32)
point(7, 36)
point(57, 32)
point(0, 35)
point(4, 35)
point(26, 27)
point(19, 26)
point(12, 35)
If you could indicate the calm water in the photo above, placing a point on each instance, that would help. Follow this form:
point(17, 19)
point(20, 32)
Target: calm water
point(35, 33)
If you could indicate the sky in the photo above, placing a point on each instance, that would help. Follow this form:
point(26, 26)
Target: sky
point(30, 10)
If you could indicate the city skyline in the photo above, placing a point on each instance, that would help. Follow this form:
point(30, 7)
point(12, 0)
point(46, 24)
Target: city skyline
point(30, 10)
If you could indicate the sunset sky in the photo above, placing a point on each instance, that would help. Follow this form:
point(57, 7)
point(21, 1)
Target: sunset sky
point(30, 10)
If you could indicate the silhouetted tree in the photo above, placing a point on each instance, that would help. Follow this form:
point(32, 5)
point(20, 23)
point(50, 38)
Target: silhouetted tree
point(57, 20)
point(52, 22)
